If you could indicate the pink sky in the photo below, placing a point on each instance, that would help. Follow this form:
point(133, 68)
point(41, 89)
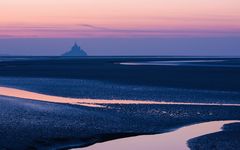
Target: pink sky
point(119, 18)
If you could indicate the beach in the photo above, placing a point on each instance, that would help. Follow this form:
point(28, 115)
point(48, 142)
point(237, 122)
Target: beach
point(39, 123)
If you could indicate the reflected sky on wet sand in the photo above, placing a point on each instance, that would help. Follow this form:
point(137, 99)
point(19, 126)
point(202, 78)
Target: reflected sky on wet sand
point(17, 93)
point(176, 140)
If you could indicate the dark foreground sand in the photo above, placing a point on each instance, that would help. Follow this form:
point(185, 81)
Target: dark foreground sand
point(34, 125)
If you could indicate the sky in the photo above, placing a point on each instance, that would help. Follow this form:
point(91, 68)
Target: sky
point(86, 21)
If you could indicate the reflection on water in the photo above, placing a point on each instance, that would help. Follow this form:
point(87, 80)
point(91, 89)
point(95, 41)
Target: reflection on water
point(11, 92)
point(208, 63)
point(176, 140)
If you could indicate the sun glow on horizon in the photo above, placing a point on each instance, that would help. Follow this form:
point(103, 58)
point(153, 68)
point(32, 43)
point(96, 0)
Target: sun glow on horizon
point(115, 18)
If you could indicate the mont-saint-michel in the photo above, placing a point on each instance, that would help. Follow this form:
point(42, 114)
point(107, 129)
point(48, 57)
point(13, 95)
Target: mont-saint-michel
point(76, 50)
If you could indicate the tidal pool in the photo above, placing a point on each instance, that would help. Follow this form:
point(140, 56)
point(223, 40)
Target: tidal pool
point(176, 140)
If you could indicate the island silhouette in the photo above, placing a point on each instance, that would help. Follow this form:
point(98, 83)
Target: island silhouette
point(76, 50)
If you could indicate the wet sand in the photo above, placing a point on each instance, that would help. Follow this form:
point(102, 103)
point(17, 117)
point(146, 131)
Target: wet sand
point(191, 76)
point(40, 123)
point(48, 125)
